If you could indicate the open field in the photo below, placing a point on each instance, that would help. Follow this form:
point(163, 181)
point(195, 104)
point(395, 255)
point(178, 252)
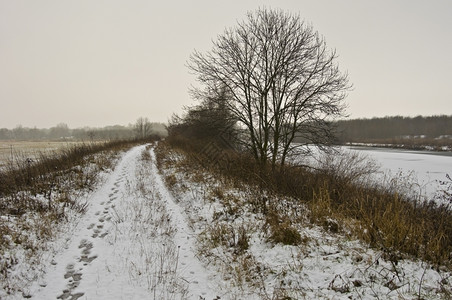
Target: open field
point(12, 150)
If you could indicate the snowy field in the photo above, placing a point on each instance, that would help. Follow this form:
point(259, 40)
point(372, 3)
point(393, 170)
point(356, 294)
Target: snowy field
point(427, 168)
point(10, 151)
point(422, 171)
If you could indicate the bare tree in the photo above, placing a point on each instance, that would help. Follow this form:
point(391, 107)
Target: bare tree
point(142, 127)
point(60, 131)
point(283, 82)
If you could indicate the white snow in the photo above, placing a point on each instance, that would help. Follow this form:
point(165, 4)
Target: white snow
point(428, 168)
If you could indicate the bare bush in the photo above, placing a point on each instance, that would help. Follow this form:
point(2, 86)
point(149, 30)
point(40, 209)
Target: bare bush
point(349, 166)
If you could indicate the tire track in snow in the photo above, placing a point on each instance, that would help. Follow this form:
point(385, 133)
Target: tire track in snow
point(201, 285)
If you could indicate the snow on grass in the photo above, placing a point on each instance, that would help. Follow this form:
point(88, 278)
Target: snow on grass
point(236, 239)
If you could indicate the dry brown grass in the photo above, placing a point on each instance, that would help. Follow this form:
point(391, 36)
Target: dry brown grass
point(281, 229)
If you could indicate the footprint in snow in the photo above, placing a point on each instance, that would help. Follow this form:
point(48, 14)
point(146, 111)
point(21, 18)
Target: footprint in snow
point(86, 246)
point(96, 233)
point(74, 281)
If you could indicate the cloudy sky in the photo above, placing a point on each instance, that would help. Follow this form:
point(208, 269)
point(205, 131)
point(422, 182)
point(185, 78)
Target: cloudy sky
point(106, 62)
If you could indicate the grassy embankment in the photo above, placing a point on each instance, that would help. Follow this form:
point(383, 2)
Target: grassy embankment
point(339, 201)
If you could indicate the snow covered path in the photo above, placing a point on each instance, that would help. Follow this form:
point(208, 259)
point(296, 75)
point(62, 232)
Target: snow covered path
point(132, 243)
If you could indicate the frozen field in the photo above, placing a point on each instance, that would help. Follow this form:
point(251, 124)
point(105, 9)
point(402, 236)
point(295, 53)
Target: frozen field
point(13, 150)
point(428, 168)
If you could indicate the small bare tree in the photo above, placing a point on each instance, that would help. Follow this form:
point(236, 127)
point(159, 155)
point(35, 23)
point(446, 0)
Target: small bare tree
point(142, 127)
point(210, 121)
point(282, 80)
point(60, 131)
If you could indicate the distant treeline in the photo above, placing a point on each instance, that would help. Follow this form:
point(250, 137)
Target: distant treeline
point(63, 132)
point(394, 128)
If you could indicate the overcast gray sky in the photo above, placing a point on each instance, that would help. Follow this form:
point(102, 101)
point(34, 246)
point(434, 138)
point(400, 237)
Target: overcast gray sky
point(98, 63)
